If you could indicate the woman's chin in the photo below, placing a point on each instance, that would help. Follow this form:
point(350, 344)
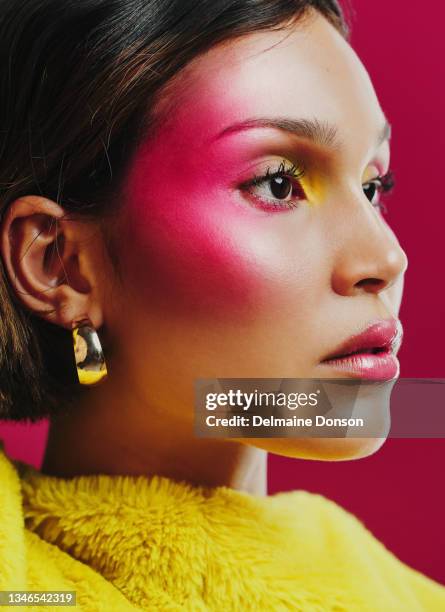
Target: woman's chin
point(322, 449)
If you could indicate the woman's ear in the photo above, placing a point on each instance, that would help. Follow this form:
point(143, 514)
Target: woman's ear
point(51, 261)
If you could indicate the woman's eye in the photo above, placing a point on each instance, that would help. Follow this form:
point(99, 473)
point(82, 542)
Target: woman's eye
point(276, 190)
point(373, 189)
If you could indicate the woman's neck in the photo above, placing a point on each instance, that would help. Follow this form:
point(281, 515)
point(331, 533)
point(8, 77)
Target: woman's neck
point(108, 434)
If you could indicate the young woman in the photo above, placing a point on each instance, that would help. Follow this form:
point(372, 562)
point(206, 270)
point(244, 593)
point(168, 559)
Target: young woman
point(188, 189)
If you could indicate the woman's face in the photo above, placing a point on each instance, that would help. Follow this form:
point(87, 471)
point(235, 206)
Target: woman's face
point(251, 243)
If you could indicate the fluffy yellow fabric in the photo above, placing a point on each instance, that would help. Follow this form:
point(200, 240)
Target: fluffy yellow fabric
point(135, 543)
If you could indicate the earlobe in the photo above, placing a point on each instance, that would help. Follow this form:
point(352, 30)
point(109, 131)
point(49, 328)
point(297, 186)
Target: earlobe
point(41, 256)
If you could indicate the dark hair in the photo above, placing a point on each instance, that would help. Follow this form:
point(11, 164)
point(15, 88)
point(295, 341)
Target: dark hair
point(76, 78)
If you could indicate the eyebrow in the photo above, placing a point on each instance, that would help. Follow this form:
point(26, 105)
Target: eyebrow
point(320, 132)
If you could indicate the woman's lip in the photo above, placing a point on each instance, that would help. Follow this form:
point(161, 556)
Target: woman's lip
point(370, 354)
point(380, 366)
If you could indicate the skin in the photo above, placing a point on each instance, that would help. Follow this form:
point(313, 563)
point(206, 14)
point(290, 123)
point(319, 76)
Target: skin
point(214, 282)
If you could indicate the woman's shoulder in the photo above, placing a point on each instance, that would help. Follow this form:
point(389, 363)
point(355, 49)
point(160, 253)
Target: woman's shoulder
point(343, 542)
point(28, 563)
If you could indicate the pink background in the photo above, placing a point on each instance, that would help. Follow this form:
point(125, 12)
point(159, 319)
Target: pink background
point(399, 491)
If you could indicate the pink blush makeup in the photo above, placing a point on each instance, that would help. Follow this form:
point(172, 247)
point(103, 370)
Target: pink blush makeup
point(192, 245)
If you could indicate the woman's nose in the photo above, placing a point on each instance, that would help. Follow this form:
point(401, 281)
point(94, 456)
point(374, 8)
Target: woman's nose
point(369, 257)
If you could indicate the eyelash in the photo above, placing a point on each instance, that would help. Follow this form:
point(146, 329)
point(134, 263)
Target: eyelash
point(282, 171)
point(384, 185)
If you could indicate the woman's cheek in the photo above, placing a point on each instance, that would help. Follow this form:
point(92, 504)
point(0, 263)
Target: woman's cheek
point(202, 255)
point(195, 261)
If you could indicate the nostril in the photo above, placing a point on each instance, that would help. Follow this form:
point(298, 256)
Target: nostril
point(370, 284)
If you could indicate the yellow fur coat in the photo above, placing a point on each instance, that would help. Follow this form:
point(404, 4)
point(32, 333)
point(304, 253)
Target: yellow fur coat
point(134, 543)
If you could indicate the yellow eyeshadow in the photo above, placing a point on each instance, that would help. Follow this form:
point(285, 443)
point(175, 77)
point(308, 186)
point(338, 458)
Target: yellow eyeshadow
point(370, 173)
point(314, 188)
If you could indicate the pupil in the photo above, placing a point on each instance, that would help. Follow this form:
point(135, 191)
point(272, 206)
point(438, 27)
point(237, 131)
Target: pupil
point(281, 187)
point(370, 191)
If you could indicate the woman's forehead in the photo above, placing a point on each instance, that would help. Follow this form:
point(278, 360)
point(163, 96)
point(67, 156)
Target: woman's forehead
point(307, 70)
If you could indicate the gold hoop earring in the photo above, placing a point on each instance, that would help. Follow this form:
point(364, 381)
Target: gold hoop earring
point(88, 353)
